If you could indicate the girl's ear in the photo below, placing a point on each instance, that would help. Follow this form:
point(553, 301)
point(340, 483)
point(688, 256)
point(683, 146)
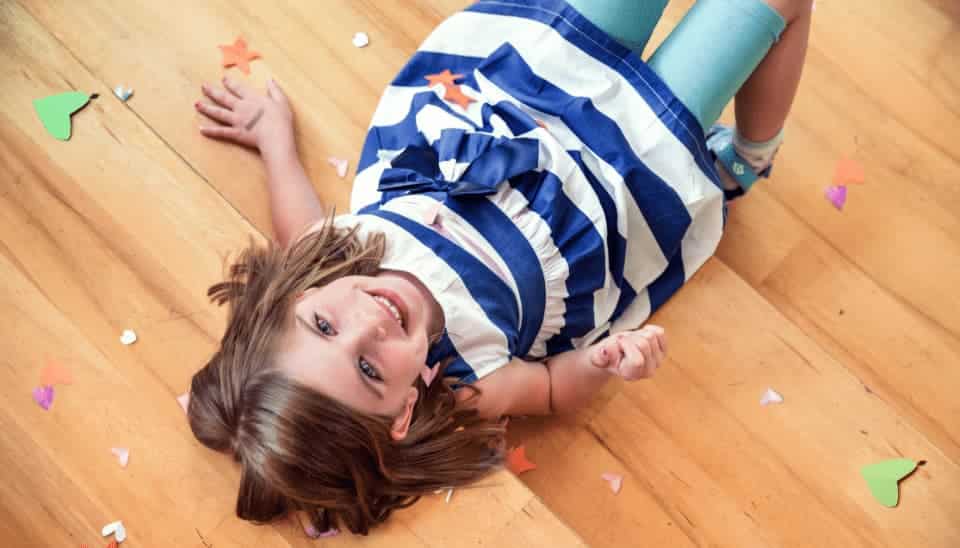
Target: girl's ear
point(401, 424)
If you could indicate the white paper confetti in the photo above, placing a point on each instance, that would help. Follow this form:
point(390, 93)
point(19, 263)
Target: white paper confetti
point(340, 164)
point(615, 481)
point(122, 454)
point(770, 396)
point(449, 494)
point(116, 529)
point(128, 337)
point(123, 93)
point(361, 39)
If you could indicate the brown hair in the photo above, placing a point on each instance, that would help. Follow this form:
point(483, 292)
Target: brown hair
point(298, 449)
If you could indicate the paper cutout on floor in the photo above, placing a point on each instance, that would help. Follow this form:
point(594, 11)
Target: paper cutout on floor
point(123, 93)
point(361, 40)
point(770, 396)
point(237, 55)
point(55, 111)
point(340, 164)
point(312, 531)
point(848, 172)
point(446, 78)
point(184, 401)
point(615, 481)
point(116, 529)
point(517, 461)
point(55, 373)
point(883, 479)
point(122, 454)
point(449, 494)
point(43, 395)
point(837, 196)
point(128, 337)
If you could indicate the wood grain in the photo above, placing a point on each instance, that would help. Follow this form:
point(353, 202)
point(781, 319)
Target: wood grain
point(851, 315)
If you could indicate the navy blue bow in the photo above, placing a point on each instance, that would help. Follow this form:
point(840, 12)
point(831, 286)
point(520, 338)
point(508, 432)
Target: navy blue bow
point(492, 160)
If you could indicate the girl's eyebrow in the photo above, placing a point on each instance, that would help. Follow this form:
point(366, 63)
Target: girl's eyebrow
point(365, 382)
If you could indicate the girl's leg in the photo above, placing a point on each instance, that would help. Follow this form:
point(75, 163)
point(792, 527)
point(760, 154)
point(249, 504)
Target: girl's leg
point(727, 47)
point(630, 22)
point(764, 100)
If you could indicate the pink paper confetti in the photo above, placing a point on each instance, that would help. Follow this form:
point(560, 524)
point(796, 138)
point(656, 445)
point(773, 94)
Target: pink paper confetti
point(43, 395)
point(770, 396)
point(429, 373)
point(122, 454)
point(340, 164)
point(837, 196)
point(183, 400)
point(312, 532)
point(615, 481)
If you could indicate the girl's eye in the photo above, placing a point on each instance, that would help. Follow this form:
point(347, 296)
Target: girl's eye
point(368, 369)
point(323, 325)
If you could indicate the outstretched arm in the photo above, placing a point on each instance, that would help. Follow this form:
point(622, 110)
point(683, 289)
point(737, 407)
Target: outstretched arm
point(567, 381)
point(265, 122)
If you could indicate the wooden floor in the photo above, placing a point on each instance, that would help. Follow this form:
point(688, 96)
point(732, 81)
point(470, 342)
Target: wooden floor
point(851, 315)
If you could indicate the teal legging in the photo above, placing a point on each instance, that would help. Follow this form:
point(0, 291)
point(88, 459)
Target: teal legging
point(707, 57)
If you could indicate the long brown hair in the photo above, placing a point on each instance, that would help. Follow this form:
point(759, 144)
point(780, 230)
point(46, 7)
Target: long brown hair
point(298, 449)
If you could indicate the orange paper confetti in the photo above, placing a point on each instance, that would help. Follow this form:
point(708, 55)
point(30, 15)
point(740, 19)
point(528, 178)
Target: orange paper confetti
point(446, 78)
point(455, 95)
point(517, 461)
point(237, 55)
point(847, 172)
point(55, 373)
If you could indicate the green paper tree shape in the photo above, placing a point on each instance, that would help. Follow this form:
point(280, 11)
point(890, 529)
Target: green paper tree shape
point(55, 111)
point(883, 479)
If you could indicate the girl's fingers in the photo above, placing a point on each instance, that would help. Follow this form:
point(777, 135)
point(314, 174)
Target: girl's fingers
point(219, 96)
point(235, 88)
point(275, 92)
point(632, 364)
point(219, 114)
point(221, 132)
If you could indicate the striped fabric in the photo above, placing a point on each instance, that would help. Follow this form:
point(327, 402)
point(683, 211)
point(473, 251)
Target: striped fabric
point(548, 189)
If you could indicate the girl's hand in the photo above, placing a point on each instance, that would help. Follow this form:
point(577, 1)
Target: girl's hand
point(631, 354)
point(247, 118)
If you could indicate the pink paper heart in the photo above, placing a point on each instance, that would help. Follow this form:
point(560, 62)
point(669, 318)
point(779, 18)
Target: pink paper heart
point(340, 164)
point(837, 196)
point(184, 401)
point(312, 531)
point(615, 481)
point(43, 395)
point(428, 374)
point(122, 454)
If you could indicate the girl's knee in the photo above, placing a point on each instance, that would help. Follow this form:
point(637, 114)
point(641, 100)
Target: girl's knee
point(791, 9)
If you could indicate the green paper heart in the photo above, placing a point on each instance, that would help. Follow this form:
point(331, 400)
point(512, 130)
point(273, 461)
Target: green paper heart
point(55, 111)
point(882, 478)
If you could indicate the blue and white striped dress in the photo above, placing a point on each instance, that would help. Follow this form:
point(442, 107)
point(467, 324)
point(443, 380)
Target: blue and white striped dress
point(554, 192)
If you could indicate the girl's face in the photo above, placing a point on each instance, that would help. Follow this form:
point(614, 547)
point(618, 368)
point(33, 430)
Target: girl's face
point(362, 340)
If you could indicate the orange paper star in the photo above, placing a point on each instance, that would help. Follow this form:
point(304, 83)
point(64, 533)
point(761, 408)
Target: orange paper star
point(55, 373)
point(446, 78)
point(848, 172)
point(455, 95)
point(517, 461)
point(238, 55)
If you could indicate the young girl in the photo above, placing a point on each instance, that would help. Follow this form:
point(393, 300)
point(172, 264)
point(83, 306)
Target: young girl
point(529, 192)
